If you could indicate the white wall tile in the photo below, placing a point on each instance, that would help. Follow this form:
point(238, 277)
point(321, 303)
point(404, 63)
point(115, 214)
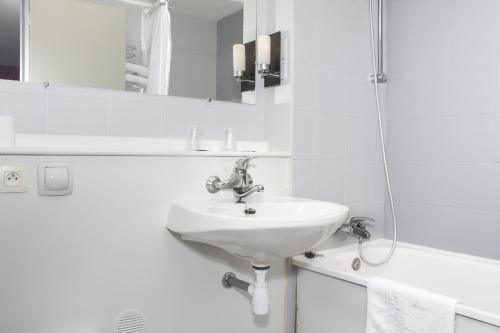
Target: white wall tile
point(303, 32)
point(474, 95)
point(430, 34)
point(472, 138)
point(28, 109)
point(473, 28)
point(360, 139)
point(480, 227)
point(303, 86)
point(227, 115)
point(303, 135)
point(330, 33)
point(76, 111)
point(358, 39)
point(330, 90)
point(329, 177)
point(399, 176)
point(358, 182)
point(379, 184)
point(303, 178)
point(426, 225)
point(377, 212)
point(256, 126)
point(329, 137)
point(9, 86)
point(427, 182)
point(429, 91)
point(428, 139)
point(401, 212)
point(450, 86)
point(398, 97)
point(398, 33)
point(278, 127)
point(134, 115)
point(397, 139)
point(473, 185)
point(343, 133)
point(360, 97)
point(497, 137)
point(180, 114)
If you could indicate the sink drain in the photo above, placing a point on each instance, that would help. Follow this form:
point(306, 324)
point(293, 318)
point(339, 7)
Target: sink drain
point(249, 211)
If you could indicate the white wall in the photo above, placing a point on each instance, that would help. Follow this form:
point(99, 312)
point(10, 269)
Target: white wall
point(72, 264)
point(443, 122)
point(86, 111)
point(276, 15)
point(335, 147)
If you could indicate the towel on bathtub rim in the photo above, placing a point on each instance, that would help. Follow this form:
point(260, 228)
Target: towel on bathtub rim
point(393, 307)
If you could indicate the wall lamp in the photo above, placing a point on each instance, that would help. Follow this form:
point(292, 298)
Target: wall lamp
point(269, 58)
point(270, 61)
point(241, 55)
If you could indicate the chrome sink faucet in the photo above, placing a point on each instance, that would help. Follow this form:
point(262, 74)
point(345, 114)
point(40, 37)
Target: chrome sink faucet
point(239, 181)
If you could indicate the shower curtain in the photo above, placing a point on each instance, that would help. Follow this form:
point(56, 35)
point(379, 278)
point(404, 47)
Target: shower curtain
point(157, 48)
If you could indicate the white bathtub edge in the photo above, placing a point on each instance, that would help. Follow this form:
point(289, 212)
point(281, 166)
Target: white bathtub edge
point(463, 310)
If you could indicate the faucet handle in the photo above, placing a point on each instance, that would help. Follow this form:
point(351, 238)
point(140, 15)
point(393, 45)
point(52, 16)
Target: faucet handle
point(355, 222)
point(242, 163)
point(359, 220)
point(356, 226)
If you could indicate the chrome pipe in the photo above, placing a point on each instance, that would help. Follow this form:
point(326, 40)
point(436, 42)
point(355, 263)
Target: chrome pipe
point(380, 50)
point(230, 280)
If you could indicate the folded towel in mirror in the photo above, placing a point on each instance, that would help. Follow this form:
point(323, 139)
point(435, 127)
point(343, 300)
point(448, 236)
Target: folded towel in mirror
point(137, 69)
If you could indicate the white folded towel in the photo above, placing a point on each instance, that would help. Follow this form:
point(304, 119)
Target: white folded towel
point(139, 80)
point(398, 308)
point(137, 69)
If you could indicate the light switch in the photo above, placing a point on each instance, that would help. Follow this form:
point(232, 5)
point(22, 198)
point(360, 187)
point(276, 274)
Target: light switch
point(55, 178)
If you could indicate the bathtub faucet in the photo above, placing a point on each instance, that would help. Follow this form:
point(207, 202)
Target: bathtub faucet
point(357, 227)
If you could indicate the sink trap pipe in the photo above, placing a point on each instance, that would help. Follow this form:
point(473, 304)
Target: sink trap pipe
point(258, 290)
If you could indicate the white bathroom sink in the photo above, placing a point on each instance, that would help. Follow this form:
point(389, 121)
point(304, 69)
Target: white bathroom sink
point(281, 227)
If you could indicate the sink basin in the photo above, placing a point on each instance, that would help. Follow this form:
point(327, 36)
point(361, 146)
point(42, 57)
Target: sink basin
point(280, 227)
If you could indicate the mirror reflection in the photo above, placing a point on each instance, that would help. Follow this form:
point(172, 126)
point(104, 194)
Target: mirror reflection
point(170, 47)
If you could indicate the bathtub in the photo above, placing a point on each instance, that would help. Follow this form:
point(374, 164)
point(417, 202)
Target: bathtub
point(331, 295)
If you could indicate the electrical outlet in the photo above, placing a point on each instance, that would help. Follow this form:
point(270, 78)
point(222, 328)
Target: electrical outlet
point(13, 179)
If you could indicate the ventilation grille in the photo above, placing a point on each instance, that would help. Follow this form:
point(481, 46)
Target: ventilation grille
point(130, 321)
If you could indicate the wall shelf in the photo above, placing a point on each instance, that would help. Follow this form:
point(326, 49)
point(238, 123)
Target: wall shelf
point(61, 145)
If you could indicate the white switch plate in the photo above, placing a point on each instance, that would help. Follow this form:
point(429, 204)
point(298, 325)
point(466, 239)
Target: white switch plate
point(12, 179)
point(66, 169)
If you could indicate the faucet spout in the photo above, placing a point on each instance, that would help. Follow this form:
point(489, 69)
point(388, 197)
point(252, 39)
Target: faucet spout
point(244, 192)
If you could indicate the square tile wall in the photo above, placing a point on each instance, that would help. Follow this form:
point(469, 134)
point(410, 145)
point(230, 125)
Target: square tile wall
point(335, 134)
point(443, 120)
point(87, 111)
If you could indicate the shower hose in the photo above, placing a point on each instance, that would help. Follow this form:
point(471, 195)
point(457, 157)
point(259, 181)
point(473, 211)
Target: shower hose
point(384, 156)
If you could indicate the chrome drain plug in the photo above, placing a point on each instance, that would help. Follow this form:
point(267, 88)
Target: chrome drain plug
point(356, 264)
point(249, 211)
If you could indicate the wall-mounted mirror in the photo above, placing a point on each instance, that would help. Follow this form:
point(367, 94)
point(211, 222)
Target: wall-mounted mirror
point(175, 47)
